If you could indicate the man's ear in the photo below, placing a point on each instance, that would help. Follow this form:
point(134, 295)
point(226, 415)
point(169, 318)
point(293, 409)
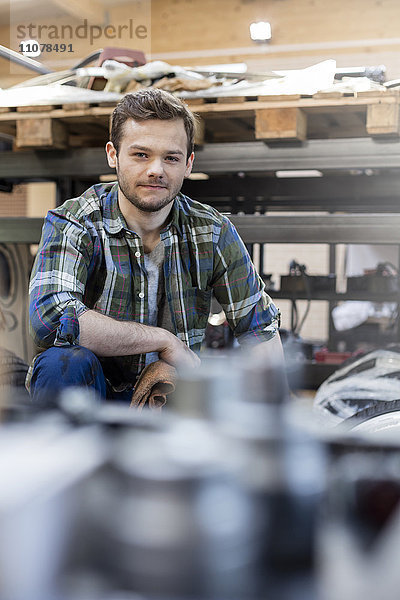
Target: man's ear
point(189, 165)
point(111, 155)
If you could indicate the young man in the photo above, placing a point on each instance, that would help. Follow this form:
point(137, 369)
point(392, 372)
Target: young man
point(124, 274)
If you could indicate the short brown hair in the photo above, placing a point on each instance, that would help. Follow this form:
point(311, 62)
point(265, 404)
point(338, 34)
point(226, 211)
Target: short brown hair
point(151, 103)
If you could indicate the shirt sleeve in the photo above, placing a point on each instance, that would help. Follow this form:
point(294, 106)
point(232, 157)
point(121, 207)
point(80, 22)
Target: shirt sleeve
point(58, 281)
point(250, 312)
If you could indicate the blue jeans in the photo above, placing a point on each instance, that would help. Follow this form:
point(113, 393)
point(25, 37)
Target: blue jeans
point(58, 368)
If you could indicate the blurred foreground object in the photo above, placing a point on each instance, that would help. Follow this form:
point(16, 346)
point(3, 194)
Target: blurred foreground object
point(359, 537)
point(215, 497)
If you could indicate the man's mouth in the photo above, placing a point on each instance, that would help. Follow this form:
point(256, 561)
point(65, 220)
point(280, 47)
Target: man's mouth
point(153, 186)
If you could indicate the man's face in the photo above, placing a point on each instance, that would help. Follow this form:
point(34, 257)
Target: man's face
point(152, 162)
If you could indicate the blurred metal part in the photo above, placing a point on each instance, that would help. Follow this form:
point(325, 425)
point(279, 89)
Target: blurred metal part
point(358, 535)
point(179, 524)
point(213, 499)
point(375, 73)
point(42, 467)
point(20, 59)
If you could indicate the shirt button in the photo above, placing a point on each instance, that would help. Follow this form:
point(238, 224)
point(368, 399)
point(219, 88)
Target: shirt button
point(141, 294)
point(137, 254)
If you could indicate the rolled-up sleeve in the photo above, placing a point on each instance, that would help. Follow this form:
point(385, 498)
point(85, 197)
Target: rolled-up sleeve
point(250, 312)
point(58, 281)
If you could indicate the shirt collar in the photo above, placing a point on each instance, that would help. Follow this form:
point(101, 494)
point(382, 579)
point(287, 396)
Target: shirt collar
point(113, 218)
point(175, 216)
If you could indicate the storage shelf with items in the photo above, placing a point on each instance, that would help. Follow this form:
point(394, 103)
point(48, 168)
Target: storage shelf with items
point(351, 141)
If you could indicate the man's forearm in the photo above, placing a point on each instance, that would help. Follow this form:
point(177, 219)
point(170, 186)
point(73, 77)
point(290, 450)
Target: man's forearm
point(108, 337)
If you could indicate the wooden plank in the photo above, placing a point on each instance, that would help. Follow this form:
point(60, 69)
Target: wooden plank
point(376, 93)
point(41, 133)
point(60, 113)
point(279, 98)
point(230, 99)
point(383, 119)
point(213, 106)
point(81, 106)
point(35, 109)
point(345, 102)
point(380, 109)
point(281, 123)
point(199, 132)
point(319, 95)
point(194, 101)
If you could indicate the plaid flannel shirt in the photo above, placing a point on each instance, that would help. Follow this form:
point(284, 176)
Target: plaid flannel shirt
point(89, 259)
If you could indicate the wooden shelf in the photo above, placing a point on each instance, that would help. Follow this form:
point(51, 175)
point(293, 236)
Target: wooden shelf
point(228, 119)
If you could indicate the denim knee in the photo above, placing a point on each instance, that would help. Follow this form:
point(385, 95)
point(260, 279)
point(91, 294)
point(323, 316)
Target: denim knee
point(60, 367)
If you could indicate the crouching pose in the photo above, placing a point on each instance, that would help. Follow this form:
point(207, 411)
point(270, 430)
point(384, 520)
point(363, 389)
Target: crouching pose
point(124, 273)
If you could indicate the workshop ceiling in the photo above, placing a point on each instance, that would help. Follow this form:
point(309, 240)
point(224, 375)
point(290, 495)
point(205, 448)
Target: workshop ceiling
point(90, 9)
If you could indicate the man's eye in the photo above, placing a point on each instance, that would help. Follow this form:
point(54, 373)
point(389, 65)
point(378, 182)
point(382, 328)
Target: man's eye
point(172, 159)
point(140, 155)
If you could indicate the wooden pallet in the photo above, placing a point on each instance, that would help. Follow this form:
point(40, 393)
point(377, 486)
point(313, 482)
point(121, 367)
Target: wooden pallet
point(227, 119)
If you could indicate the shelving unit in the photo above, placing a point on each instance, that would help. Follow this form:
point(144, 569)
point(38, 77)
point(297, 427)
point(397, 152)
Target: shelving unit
point(353, 140)
point(332, 229)
point(223, 119)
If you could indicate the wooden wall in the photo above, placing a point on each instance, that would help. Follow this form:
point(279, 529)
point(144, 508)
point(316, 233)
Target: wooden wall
point(304, 32)
point(190, 24)
point(191, 32)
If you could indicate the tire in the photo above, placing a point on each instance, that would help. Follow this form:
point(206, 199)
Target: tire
point(13, 369)
point(378, 409)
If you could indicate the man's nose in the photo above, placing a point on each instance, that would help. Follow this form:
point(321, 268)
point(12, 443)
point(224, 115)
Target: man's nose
point(155, 168)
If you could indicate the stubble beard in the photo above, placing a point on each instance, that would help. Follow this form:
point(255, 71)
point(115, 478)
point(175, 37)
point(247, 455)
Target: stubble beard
point(146, 205)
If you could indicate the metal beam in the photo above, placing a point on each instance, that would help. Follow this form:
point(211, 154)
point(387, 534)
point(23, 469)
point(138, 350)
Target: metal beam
point(51, 164)
point(331, 187)
point(20, 230)
point(251, 205)
point(321, 229)
point(327, 155)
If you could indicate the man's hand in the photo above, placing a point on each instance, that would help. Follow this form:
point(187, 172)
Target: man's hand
point(177, 354)
point(108, 337)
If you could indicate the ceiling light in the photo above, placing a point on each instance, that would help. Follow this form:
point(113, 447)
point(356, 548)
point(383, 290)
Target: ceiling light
point(260, 31)
point(302, 173)
point(107, 178)
point(198, 176)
